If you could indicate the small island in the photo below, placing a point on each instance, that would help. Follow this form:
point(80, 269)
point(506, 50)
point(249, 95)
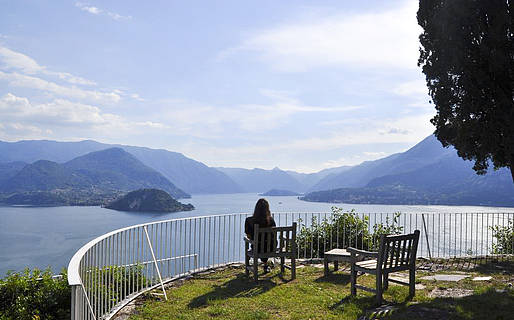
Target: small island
point(279, 192)
point(148, 200)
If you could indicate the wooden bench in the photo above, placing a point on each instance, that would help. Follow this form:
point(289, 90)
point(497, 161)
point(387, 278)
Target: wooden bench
point(395, 253)
point(274, 242)
point(336, 256)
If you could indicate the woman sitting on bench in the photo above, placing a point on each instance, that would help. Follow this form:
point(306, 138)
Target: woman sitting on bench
point(262, 217)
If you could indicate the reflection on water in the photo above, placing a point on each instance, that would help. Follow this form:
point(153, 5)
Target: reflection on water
point(49, 236)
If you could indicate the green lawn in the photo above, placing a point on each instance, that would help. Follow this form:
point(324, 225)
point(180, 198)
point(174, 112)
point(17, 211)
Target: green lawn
point(228, 294)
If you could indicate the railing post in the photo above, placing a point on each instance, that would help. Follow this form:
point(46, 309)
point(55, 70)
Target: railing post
point(426, 236)
point(155, 261)
point(74, 310)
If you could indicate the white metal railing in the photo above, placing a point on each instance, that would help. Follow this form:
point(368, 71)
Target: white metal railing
point(113, 269)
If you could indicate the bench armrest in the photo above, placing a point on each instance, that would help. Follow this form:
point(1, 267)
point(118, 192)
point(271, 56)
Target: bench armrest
point(359, 252)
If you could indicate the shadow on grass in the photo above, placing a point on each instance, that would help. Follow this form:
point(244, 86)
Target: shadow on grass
point(487, 305)
point(241, 286)
point(340, 279)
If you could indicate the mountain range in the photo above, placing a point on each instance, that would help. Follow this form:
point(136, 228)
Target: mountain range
point(96, 175)
point(187, 174)
point(425, 174)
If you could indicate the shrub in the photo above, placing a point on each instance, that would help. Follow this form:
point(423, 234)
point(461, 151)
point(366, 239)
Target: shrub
point(32, 295)
point(504, 238)
point(341, 230)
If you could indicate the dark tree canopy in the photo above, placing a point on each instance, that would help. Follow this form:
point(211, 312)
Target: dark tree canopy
point(467, 56)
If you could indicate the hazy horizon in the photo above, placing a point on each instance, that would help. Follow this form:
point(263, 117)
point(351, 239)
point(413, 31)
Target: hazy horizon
point(301, 87)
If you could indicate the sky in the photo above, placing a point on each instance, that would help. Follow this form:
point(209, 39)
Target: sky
point(299, 85)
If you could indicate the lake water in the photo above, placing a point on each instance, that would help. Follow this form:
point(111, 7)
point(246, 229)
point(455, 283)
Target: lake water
point(49, 236)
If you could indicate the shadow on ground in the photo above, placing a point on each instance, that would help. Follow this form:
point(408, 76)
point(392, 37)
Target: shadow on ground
point(487, 305)
point(241, 286)
point(335, 278)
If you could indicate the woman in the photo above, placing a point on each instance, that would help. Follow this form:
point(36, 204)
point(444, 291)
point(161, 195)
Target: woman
point(262, 217)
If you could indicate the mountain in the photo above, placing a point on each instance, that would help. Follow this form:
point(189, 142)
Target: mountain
point(96, 175)
point(424, 153)
point(148, 200)
point(260, 180)
point(10, 169)
point(116, 169)
point(42, 175)
point(187, 174)
point(311, 179)
point(446, 180)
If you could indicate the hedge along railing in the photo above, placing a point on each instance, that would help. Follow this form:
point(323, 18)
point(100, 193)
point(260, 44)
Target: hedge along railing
point(113, 269)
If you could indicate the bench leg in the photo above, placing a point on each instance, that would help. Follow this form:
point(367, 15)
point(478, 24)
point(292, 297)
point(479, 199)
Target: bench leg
point(325, 266)
point(353, 280)
point(336, 265)
point(247, 265)
point(412, 281)
point(386, 281)
point(379, 288)
point(255, 270)
point(293, 268)
point(282, 263)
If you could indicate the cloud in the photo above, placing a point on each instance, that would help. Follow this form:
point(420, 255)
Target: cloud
point(12, 60)
point(374, 132)
point(249, 118)
point(365, 40)
point(97, 11)
point(25, 81)
point(23, 119)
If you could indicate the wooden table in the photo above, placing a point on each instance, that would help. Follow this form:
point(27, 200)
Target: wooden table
point(336, 255)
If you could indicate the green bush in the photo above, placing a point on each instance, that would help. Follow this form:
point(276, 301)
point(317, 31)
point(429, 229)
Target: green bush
point(504, 238)
point(341, 230)
point(33, 295)
point(119, 277)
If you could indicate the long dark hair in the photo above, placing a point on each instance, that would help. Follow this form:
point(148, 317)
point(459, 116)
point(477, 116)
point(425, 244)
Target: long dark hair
point(261, 214)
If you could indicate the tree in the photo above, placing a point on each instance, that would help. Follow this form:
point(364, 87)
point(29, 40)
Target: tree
point(467, 56)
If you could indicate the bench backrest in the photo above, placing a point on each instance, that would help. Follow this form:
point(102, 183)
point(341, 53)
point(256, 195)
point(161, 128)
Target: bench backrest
point(397, 252)
point(276, 241)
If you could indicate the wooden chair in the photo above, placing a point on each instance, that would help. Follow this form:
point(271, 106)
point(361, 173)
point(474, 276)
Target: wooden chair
point(395, 253)
point(274, 242)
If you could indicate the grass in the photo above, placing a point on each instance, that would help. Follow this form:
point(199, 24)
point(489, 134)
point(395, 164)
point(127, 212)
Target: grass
point(228, 294)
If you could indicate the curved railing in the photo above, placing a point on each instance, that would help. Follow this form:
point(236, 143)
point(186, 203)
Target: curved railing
point(113, 269)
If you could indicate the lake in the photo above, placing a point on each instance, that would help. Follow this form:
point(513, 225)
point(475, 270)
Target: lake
point(49, 236)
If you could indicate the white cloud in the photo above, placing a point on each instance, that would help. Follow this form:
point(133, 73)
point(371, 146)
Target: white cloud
point(366, 40)
point(22, 119)
point(250, 118)
point(26, 81)
point(97, 11)
point(12, 60)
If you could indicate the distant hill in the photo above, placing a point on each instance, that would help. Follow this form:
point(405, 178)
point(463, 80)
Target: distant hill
point(278, 192)
point(10, 169)
point(96, 175)
point(310, 179)
point(116, 169)
point(148, 200)
point(424, 153)
point(260, 180)
point(187, 174)
point(439, 178)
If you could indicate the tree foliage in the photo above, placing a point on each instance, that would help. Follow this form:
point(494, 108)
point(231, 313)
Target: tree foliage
point(467, 57)
point(33, 295)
